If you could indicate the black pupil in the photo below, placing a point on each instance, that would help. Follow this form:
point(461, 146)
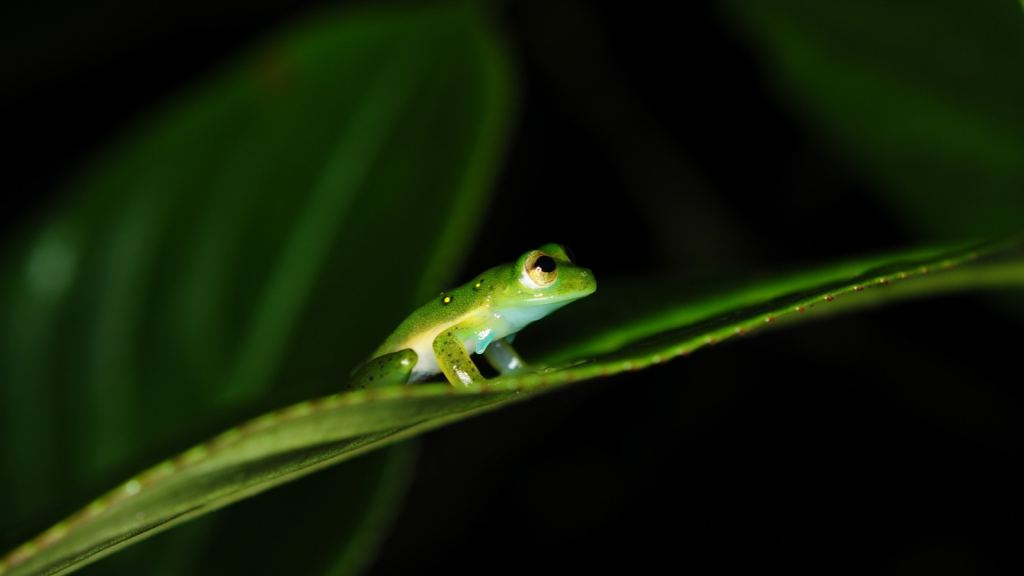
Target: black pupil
point(545, 263)
point(568, 253)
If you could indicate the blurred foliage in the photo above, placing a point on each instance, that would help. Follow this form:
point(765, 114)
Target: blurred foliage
point(925, 97)
point(201, 271)
point(223, 258)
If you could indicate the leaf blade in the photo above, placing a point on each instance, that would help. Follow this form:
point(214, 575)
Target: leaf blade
point(298, 440)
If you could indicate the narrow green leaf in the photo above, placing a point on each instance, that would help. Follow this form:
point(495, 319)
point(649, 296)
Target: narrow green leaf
point(290, 443)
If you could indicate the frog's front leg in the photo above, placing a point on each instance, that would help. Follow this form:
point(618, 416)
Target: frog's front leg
point(452, 357)
point(503, 357)
point(384, 370)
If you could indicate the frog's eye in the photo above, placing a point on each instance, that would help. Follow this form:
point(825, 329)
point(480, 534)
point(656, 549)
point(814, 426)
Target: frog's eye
point(540, 269)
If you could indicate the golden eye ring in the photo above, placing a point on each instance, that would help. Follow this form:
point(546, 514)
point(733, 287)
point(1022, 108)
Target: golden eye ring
point(541, 270)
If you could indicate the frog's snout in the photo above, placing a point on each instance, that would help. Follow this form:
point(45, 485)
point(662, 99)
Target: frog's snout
point(588, 280)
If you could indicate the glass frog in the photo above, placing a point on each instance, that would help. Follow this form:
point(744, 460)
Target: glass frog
point(482, 317)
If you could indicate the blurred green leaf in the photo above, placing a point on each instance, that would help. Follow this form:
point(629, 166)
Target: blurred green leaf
point(236, 237)
point(353, 514)
point(287, 444)
point(924, 96)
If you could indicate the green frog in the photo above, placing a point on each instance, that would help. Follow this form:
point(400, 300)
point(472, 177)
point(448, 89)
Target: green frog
point(481, 317)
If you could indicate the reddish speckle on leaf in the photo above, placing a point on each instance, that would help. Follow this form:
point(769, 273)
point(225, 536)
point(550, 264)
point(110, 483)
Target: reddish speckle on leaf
point(829, 298)
point(741, 331)
point(883, 281)
point(48, 538)
point(926, 271)
point(904, 275)
point(948, 265)
point(858, 287)
point(800, 309)
point(770, 319)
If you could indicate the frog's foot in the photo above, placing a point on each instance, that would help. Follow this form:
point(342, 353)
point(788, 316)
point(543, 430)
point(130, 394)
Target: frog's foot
point(504, 358)
point(386, 370)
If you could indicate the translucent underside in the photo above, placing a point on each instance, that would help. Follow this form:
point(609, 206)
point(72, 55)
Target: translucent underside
point(492, 326)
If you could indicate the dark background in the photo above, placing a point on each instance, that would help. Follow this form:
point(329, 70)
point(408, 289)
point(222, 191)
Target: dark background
point(878, 443)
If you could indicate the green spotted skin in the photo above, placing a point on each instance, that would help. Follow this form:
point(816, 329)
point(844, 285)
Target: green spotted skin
point(384, 370)
point(443, 333)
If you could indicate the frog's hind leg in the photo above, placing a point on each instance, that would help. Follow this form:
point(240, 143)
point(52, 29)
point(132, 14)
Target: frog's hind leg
point(503, 357)
point(386, 370)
